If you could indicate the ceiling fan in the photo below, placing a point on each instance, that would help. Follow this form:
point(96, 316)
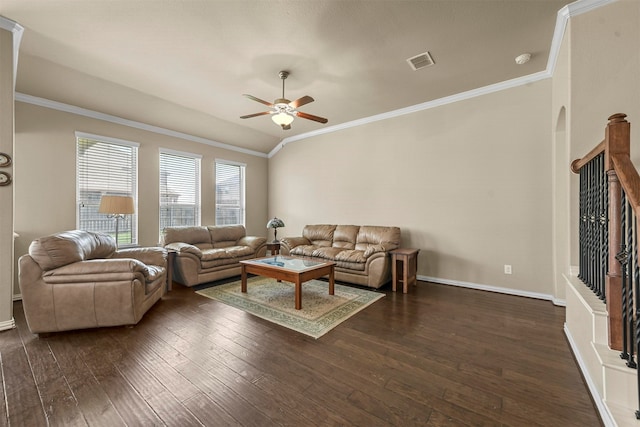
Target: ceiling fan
point(284, 110)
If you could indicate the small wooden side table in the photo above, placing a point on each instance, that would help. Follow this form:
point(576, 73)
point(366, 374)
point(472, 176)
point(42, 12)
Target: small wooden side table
point(404, 263)
point(273, 248)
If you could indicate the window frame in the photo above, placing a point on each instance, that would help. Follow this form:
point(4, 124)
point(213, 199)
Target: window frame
point(198, 182)
point(133, 218)
point(242, 189)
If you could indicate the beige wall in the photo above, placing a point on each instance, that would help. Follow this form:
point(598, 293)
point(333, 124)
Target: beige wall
point(469, 184)
point(6, 192)
point(560, 181)
point(46, 183)
point(604, 79)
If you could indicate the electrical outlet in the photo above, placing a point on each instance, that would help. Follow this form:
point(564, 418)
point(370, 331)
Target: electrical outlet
point(507, 269)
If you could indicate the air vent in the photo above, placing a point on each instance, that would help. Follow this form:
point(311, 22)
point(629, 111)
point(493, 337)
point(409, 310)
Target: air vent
point(421, 61)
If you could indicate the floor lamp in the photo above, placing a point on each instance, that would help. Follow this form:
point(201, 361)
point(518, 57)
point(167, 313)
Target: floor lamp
point(116, 207)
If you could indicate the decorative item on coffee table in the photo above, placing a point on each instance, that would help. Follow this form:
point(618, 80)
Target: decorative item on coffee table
point(275, 223)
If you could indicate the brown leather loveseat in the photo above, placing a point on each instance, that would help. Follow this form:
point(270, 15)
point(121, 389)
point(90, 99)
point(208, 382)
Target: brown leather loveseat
point(208, 253)
point(361, 253)
point(77, 279)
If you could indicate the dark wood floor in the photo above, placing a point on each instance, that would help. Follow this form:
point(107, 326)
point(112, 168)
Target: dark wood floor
point(437, 356)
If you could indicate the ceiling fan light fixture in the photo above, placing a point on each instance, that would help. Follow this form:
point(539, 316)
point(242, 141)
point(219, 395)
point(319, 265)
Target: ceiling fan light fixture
point(282, 119)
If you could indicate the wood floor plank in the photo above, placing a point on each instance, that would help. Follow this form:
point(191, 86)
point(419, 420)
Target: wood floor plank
point(95, 404)
point(437, 356)
point(21, 392)
point(59, 403)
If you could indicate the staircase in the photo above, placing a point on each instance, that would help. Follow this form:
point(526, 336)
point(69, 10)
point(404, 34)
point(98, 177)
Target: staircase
point(603, 298)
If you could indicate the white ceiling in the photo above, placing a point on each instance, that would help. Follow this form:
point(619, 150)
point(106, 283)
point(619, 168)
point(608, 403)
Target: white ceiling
point(184, 64)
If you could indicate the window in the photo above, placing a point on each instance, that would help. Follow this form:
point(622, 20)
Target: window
point(106, 166)
point(179, 189)
point(229, 193)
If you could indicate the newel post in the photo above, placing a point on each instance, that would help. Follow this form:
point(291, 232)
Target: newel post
point(616, 142)
point(613, 281)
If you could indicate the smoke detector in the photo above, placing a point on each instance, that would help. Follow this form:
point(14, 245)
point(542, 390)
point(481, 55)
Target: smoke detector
point(421, 61)
point(523, 59)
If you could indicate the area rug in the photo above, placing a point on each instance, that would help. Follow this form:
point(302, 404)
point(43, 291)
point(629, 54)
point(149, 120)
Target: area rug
point(275, 301)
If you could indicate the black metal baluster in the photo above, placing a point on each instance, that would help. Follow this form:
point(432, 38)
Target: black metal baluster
point(581, 222)
point(599, 225)
point(595, 256)
point(588, 277)
point(630, 296)
point(636, 293)
point(605, 230)
point(622, 259)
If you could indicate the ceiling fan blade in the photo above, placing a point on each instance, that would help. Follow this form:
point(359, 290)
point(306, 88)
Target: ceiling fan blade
point(262, 101)
point(248, 116)
point(301, 101)
point(311, 117)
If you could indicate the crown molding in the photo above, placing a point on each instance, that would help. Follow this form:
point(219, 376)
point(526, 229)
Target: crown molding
point(55, 105)
point(17, 30)
point(571, 10)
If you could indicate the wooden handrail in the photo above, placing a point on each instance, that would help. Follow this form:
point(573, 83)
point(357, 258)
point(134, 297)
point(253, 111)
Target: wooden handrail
point(577, 164)
point(614, 143)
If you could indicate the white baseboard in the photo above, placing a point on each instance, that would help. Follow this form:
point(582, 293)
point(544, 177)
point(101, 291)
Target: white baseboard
point(17, 297)
point(603, 410)
point(6, 325)
point(489, 288)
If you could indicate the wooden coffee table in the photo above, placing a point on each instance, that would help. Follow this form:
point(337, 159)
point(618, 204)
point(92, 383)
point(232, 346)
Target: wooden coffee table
point(289, 269)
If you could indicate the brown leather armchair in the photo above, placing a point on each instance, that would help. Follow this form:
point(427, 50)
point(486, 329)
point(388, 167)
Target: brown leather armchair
point(77, 279)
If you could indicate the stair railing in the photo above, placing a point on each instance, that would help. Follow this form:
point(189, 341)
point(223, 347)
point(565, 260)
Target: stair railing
point(609, 235)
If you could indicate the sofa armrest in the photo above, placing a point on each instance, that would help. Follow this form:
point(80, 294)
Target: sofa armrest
point(184, 248)
point(254, 242)
point(383, 247)
point(148, 256)
point(291, 242)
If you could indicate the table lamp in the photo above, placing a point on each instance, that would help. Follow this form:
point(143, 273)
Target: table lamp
point(275, 223)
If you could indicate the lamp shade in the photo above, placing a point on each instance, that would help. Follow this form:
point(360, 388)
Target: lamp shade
point(275, 223)
point(116, 205)
point(282, 119)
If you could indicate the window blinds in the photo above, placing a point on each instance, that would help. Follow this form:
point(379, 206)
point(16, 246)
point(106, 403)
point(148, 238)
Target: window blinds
point(230, 208)
point(179, 189)
point(106, 166)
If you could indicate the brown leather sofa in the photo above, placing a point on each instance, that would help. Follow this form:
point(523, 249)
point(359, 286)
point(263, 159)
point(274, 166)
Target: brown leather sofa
point(77, 279)
point(361, 253)
point(208, 253)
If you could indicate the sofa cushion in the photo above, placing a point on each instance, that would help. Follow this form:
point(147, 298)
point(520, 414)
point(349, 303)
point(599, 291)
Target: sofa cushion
point(303, 250)
point(351, 255)
point(328, 253)
point(191, 235)
point(320, 234)
point(203, 246)
point(345, 236)
point(67, 247)
point(224, 253)
point(226, 235)
point(389, 237)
